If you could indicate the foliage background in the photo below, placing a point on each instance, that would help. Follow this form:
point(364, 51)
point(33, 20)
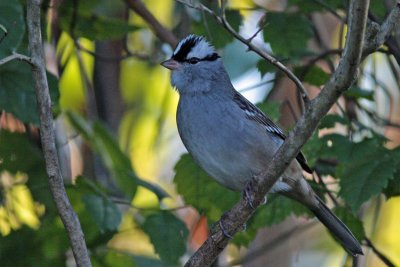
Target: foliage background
point(141, 200)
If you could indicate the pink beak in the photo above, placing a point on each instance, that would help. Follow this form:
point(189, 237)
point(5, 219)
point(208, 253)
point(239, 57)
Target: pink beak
point(171, 64)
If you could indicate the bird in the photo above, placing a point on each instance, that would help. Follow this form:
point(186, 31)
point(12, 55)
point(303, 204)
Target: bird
point(230, 138)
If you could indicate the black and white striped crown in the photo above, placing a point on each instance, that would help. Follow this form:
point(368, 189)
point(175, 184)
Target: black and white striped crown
point(194, 47)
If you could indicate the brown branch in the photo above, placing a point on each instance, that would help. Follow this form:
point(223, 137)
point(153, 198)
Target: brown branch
point(17, 57)
point(342, 78)
point(57, 189)
point(159, 30)
point(222, 20)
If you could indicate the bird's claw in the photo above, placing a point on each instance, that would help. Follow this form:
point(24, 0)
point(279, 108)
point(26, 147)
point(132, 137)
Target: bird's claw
point(248, 194)
point(224, 230)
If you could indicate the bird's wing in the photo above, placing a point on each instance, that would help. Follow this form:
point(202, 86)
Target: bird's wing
point(255, 114)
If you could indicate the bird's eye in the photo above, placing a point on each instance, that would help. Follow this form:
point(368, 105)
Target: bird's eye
point(193, 60)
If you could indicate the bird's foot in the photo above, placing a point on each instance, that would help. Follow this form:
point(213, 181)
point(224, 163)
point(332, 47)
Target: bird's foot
point(223, 229)
point(221, 225)
point(265, 200)
point(248, 194)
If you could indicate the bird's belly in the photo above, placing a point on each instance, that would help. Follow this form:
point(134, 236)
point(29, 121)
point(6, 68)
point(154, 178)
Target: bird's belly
point(219, 147)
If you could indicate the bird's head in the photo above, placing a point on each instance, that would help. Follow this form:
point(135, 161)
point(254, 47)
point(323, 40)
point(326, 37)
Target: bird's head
point(194, 62)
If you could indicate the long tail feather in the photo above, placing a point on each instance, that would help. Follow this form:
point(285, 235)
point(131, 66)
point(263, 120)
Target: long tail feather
point(337, 228)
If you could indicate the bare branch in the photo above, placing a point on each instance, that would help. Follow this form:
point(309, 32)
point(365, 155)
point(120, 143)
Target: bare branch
point(18, 57)
point(377, 35)
point(64, 208)
point(159, 30)
point(222, 20)
point(261, 184)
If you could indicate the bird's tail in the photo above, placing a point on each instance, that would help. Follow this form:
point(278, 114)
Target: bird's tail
point(338, 229)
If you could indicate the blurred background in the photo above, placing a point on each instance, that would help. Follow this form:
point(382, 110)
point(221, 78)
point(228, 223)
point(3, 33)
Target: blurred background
point(141, 199)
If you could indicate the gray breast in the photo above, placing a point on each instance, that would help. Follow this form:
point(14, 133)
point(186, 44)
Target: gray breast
point(227, 145)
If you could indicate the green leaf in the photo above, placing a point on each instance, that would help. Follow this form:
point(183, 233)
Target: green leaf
point(365, 171)
point(314, 75)
point(393, 187)
point(17, 94)
point(12, 20)
point(104, 212)
point(200, 191)
point(271, 109)
point(264, 67)
point(14, 148)
point(168, 235)
point(112, 156)
point(90, 21)
point(217, 35)
point(352, 222)
point(330, 120)
point(378, 8)
point(287, 33)
point(357, 93)
point(330, 147)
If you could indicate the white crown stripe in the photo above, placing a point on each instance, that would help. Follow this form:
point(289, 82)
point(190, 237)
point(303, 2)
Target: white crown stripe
point(201, 49)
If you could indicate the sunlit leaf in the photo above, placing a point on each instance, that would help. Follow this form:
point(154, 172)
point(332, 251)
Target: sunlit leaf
point(168, 235)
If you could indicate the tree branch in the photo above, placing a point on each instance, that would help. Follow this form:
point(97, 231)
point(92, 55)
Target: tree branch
point(342, 78)
point(64, 208)
point(159, 30)
point(377, 35)
point(16, 56)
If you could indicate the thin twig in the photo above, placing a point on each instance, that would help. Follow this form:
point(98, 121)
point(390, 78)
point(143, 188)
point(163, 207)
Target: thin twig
point(67, 214)
point(17, 57)
point(222, 20)
point(379, 254)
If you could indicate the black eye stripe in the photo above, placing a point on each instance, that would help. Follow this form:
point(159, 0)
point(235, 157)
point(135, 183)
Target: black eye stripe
point(195, 60)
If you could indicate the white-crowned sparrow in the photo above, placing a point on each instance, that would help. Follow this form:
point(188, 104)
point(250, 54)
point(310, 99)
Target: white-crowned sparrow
point(230, 138)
